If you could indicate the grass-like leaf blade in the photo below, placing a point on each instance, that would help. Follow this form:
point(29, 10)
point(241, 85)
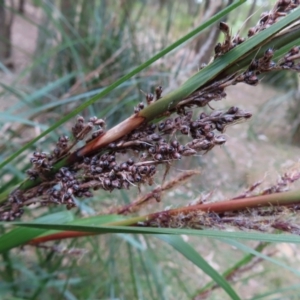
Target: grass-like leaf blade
point(192, 255)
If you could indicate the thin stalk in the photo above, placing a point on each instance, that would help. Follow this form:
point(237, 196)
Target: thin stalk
point(279, 199)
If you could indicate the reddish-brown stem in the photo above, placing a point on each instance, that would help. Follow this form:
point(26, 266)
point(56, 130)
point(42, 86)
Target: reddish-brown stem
point(240, 204)
point(279, 199)
point(112, 135)
point(59, 236)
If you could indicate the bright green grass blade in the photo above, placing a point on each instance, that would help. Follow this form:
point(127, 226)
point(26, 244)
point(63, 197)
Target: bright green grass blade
point(192, 255)
point(20, 236)
point(247, 249)
point(95, 221)
point(124, 78)
point(264, 237)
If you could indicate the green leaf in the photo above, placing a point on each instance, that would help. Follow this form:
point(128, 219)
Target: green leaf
point(192, 255)
point(20, 236)
point(91, 221)
point(264, 237)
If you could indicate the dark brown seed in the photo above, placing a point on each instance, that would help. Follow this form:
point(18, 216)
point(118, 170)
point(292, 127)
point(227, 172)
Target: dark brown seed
point(251, 31)
point(176, 155)
point(98, 170)
point(218, 48)
point(162, 149)
point(75, 187)
point(112, 175)
point(124, 166)
point(152, 150)
point(161, 126)
point(175, 144)
point(86, 160)
point(232, 110)
point(158, 92)
point(80, 119)
point(184, 129)
point(111, 158)
point(149, 98)
point(107, 182)
point(154, 137)
point(130, 162)
point(105, 164)
point(100, 122)
point(158, 156)
point(116, 168)
point(116, 184)
point(137, 178)
point(269, 53)
point(224, 27)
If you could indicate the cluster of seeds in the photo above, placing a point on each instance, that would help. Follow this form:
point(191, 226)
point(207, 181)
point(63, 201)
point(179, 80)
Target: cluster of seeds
point(105, 173)
point(265, 64)
point(289, 61)
point(258, 66)
point(81, 129)
point(42, 162)
point(130, 161)
point(229, 41)
point(16, 201)
point(280, 9)
point(66, 187)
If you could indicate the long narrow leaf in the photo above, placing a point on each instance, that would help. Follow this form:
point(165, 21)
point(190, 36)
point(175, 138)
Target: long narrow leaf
point(20, 236)
point(264, 237)
point(192, 255)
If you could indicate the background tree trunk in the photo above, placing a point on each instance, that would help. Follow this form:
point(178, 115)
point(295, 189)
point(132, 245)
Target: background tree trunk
point(6, 20)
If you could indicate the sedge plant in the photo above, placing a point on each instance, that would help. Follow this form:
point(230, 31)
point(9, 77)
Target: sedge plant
point(163, 129)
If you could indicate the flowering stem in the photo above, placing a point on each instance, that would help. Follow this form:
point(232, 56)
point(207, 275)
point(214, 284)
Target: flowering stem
point(279, 199)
